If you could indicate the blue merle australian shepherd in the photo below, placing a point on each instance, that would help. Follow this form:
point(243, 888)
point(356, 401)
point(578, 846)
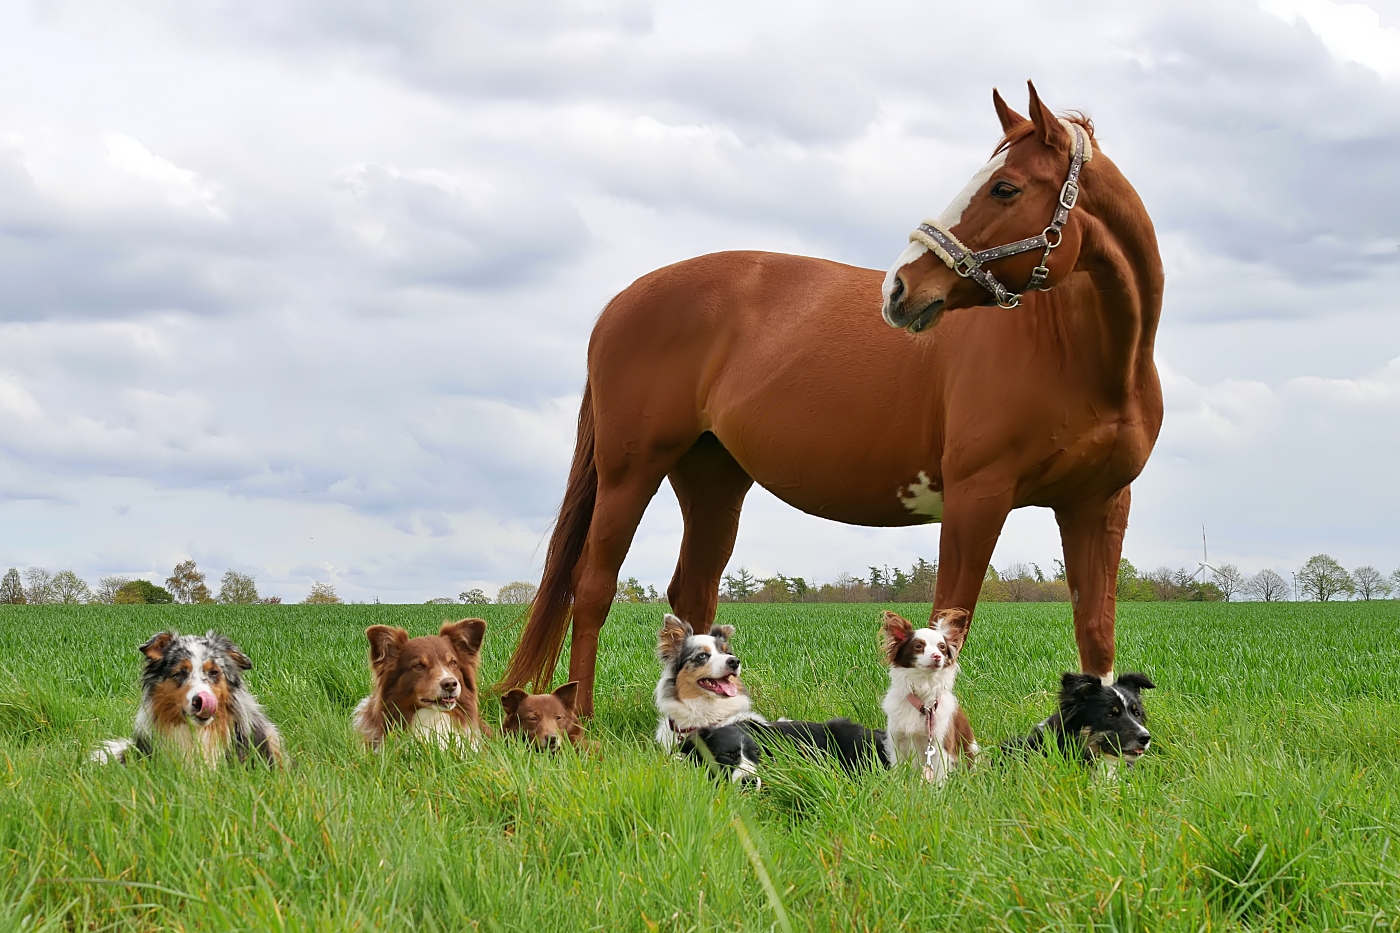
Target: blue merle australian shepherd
point(194, 703)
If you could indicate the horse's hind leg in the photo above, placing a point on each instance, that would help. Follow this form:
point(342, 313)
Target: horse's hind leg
point(710, 486)
point(1092, 534)
point(617, 511)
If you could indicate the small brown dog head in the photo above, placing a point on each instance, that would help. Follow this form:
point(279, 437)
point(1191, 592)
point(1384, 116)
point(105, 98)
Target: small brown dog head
point(546, 720)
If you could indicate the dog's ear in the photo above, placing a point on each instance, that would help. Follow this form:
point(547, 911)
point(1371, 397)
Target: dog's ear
point(567, 694)
point(227, 646)
point(385, 643)
point(672, 637)
point(160, 643)
point(511, 701)
point(954, 623)
point(721, 634)
point(466, 636)
point(1135, 681)
point(1078, 686)
point(897, 630)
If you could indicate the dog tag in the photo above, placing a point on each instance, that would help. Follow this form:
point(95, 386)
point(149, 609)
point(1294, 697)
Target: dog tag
point(929, 773)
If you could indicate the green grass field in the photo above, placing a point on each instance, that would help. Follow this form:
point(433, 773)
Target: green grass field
point(1270, 799)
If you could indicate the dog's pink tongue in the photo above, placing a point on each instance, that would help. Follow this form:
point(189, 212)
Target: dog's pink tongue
point(728, 687)
point(205, 704)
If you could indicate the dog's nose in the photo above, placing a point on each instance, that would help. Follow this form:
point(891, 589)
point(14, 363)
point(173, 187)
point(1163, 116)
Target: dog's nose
point(449, 685)
point(732, 663)
point(204, 704)
point(1145, 738)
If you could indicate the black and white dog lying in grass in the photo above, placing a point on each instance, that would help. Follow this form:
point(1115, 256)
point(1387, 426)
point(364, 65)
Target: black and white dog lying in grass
point(706, 713)
point(1095, 720)
point(737, 749)
point(194, 703)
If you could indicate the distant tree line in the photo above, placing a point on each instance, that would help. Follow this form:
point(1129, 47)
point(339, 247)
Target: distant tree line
point(1321, 578)
point(185, 586)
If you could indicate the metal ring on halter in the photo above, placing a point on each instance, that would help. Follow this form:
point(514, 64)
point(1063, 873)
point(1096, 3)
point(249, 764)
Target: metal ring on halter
point(1059, 236)
point(1010, 300)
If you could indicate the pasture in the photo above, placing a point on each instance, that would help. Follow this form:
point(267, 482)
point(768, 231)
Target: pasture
point(1271, 797)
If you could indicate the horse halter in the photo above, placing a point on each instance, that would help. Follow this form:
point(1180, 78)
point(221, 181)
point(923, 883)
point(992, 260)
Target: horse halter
point(971, 265)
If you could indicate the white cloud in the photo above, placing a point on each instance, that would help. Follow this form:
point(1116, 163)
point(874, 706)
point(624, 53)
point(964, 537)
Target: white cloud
point(183, 187)
point(1352, 32)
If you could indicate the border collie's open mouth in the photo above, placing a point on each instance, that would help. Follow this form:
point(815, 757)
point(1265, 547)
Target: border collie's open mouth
point(443, 703)
point(726, 686)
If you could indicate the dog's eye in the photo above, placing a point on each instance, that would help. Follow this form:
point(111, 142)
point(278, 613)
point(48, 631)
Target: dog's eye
point(212, 676)
point(702, 657)
point(452, 661)
point(419, 665)
point(1137, 711)
point(1004, 191)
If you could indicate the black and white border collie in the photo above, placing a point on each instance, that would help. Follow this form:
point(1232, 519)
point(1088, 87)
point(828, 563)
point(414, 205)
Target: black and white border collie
point(194, 702)
point(920, 707)
point(1095, 720)
point(699, 685)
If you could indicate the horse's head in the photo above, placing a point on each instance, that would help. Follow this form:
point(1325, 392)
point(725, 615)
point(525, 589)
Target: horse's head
point(1014, 198)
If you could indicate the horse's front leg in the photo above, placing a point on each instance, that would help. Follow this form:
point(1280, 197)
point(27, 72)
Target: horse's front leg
point(974, 512)
point(1092, 534)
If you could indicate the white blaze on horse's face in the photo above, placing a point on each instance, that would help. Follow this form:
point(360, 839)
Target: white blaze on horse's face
point(949, 219)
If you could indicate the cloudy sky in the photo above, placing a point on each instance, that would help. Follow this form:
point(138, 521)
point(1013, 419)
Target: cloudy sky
point(302, 288)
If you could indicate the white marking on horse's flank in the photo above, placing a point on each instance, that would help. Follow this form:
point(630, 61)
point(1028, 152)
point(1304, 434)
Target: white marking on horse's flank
point(952, 216)
point(922, 499)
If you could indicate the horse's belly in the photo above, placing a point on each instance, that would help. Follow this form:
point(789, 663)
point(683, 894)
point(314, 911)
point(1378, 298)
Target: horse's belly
point(861, 499)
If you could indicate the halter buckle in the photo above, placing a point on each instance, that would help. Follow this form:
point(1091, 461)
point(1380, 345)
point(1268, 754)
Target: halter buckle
point(965, 265)
point(1040, 274)
point(1069, 194)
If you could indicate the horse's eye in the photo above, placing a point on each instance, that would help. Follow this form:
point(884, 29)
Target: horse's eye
point(1004, 191)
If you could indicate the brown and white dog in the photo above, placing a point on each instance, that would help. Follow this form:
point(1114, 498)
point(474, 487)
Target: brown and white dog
point(546, 720)
point(426, 686)
point(699, 685)
point(194, 702)
point(920, 707)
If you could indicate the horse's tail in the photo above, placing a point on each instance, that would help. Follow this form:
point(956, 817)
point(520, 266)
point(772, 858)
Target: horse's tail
point(537, 653)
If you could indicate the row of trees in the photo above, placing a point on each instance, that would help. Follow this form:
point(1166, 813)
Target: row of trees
point(1321, 578)
point(186, 585)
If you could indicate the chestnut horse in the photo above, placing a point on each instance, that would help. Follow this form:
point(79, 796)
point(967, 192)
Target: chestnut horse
point(742, 366)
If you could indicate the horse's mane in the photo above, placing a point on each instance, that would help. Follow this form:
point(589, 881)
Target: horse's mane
point(1021, 130)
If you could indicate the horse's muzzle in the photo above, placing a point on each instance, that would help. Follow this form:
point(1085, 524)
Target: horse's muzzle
point(898, 313)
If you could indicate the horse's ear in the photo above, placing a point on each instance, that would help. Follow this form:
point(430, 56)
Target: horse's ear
point(1048, 128)
point(1005, 114)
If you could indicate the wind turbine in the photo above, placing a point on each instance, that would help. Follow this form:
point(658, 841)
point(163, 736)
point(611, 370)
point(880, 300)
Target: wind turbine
point(1204, 562)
